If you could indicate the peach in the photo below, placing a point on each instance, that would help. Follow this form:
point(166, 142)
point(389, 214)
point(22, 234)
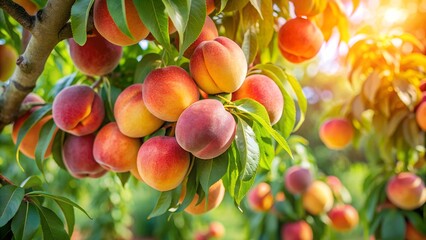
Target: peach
point(168, 91)
point(265, 91)
point(218, 66)
point(78, 110)
point(422, 85)
point(216, 230)
point(132, 116)
point(299, 40)
point(96, 57)
point(208, 32)
point(210, 7)
point(413, 234)
point(29, 6)
point(30, 140)
point(8, 56)
point(297, 179)
point(260, 198)
point(343, 218)
point(309, 8)
point(335, 184)
point(406, 190)
point(135, 173)
point(106, 26)
point(115, 151)
point(215, 197)
point(162, 163)
point(336, 133)
point(318, 198)
point(77, 153)
point(299, 230)
point(421, 116)
point(205, 129)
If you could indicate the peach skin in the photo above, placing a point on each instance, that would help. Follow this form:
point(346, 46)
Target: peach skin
point(318, 198)
point(215, 197)
point(406, 190)
point(297, 179)
point(336, 133)
point(260, 198)
point(299, 230)
point(8, 56)
point(343, 218)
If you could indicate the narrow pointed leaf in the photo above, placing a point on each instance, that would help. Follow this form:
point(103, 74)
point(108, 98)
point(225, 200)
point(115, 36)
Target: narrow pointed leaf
point(26, 222)
point(79, 15)
point(10, 200)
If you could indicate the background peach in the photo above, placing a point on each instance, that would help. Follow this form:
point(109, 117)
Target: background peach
point(318, 198)
point(297, 179)
point(343, 217)
point(299, 230)
point(406, 190)
point(8, 56)
point(215, 197)
point(336, 133)
point(260, 197)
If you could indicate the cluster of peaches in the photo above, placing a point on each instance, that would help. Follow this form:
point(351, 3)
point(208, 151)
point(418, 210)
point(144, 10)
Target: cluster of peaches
point(317, 198)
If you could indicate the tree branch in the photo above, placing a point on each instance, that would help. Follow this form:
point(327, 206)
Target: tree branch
point(18, 13)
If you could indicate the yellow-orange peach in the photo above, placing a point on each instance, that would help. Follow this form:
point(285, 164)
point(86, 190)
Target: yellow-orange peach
point(260, 198)
point(205, 129)
point(208, 32)
point(421, 116)
point(413, 234)
point(78, 110)
point(133, 118)
point(210, 7)
point(106, 26)
point(299, 40)
point(336, 133)
point(77, 153)
point(264, 90)
point(218, 66)
point(297, 179)
point(216, 230)
point(115, 151)
point(29, 142)
point(96, 57)
point(215, 197)
point(343, 218)
point(309, 8)
point(162, 163)
point(318, 198)
point(8, 56)
point(29, 6)
point(299, 230)
point(168, 91)
point(335, 184)
point(406, 190)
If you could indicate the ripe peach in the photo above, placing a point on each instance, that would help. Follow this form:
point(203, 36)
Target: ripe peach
point(299, 230)
point(216, 230)
point(264, 90)
point(406, 190)
point(309, 8)
point(299, 40)
point(210, 7)
point(29, 6)
point(96, 57)
point(215, 197)
point(318, 198)
point(260, 198)
point(208, 32)
point(162, 163)
point(413, 234)
point(421, 116)
point(78, 110)
point(336, 133)
point(106, 26)
point(335, 184)
point(8, 56)
point(343, 218)
point(115, 151)
point(29, 142)
point(297, 179)
point(205, 129)
point(168, 91)
point(132, 116)
point(77, 154)
point(218, 66)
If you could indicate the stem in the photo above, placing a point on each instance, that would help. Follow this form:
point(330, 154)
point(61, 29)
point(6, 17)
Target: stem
point(5, 181)
point(18, 13)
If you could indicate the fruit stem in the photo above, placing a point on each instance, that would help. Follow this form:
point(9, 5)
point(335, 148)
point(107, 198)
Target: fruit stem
point(97, 83)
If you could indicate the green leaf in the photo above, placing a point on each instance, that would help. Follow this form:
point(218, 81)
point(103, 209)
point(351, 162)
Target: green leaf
point(212, 170)
point(46, 135)
point(257, 4)
point(250, 46)
point(242, 188)
point(117, 10)
point(51, 225)
point(79, 15)
point(124, 177)
point(393, 226)
point(416, 220)
point(148, 63)
point(31, 181)
point(266, 147)
point(58, 143)
point(163, 204)
point(234, 5)
point(191, 189)
point(196, 21)
point(10, 200)
point(6, 230)
point(62, 83)
point(68, 212)
point(153, 15)
point(178, 11)
point(248, 148)
point(254, 107)
point(40, 3)
point(26, 221)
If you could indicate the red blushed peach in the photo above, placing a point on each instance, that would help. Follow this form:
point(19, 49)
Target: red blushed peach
point(77, 153)
point(406, 190)
point(30, 140)
point(343, 218)
point(296, 231)
point(115, 151)
point(168, 91)
point(215, 197)
point(421, 116)
point(318, 198)
point(336, 133)
point(309, 8)
point(413, 234)
point(8, 56)
point(260, 198)
point(78, 110)
point(299, 40)
point(96, 57)
point(264, 90)
point(106, 26)
point(162, 163)
point(205, 129)
point(28, 5)
point(335, 184)
point(216, 230)
point(218, 66)
point(297, 179)
point(208, 32)
point(210, 7)
point(133, 118)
